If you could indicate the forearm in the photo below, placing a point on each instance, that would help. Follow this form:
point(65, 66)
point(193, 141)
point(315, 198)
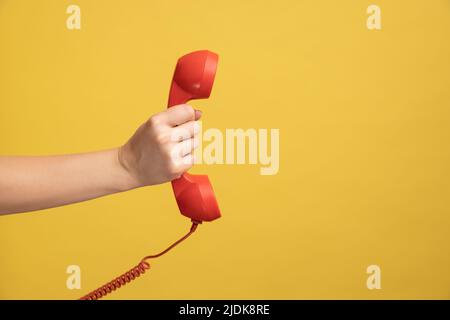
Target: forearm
point(33, 183)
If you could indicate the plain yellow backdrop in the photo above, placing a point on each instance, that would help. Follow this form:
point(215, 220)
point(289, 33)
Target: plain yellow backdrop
point(364, 146)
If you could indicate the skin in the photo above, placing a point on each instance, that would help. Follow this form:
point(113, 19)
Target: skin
point(160, 150)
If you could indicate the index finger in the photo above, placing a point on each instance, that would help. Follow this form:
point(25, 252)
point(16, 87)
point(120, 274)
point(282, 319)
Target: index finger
point(179, 114)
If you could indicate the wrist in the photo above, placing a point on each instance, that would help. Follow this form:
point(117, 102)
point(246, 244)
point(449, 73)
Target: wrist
point(125, 177)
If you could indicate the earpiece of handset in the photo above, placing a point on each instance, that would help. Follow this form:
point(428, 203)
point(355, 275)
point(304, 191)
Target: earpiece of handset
point(193, 79)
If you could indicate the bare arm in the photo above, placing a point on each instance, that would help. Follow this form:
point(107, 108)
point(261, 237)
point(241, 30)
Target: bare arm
point(151, 156)
point(33, 183)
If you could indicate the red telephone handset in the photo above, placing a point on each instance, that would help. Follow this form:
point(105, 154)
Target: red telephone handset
point(193, 79)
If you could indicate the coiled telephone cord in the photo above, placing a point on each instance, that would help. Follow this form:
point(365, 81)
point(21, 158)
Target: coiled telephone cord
point(134, 272)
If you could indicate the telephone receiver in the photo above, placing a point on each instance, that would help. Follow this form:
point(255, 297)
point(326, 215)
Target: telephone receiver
point(193, 79)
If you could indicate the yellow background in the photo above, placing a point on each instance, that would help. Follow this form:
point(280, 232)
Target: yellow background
point(364, 149)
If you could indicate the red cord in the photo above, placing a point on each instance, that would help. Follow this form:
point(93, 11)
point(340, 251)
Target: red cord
point(134, 272)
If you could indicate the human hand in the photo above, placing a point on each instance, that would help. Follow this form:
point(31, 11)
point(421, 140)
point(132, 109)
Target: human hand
point(162, 148)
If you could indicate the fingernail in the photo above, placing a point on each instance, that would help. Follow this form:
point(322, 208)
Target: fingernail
point(198, 114)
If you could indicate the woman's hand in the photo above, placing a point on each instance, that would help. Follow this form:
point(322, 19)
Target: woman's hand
point(161, 148)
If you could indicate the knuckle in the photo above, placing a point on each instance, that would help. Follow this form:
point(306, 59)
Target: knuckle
point(188, 109)
point(180, 134)
point(154, 121)
point(161, 138)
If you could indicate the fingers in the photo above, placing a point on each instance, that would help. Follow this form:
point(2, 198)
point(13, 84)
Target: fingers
point(184, 148)
point(185, 131)
point(187, 162)
point(176, 115)
point(187, 146)
point(182, 155)
point(181, 165)
point(179, 114)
